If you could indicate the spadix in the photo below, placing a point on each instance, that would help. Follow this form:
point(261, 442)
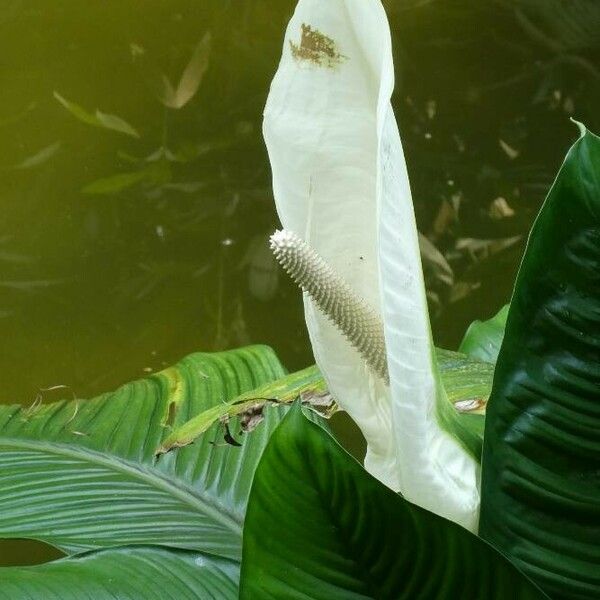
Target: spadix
point(340, 182)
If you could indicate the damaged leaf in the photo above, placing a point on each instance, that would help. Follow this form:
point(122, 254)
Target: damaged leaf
point(467, 384)
point(308, 385)
point(82, 475)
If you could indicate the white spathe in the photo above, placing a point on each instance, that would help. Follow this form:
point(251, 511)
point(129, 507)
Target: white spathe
point(340, 182)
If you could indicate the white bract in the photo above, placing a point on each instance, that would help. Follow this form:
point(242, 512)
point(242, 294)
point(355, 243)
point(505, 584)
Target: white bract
point(340, 183)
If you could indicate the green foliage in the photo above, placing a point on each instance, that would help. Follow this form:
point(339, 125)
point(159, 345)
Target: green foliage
point(484, 338)
point(467, 383)
point(83, 474)
point(109, 481)
point(319, 526)
point(541, 460)
point(560, 26)
point(129, 573)
point(308, 384)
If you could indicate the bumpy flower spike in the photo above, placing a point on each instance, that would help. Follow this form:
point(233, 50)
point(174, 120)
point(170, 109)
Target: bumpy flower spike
point(349, 313)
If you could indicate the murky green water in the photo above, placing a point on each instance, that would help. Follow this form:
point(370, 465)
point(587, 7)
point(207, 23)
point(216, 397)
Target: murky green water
point(100, 288)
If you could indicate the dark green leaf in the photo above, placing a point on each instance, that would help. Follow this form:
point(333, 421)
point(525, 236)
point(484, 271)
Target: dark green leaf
point(318, 526)
point(129, 573)
point(483, 338)
point(541, 461)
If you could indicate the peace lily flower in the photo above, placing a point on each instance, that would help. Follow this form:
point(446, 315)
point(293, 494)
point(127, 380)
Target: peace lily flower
point(341, 185)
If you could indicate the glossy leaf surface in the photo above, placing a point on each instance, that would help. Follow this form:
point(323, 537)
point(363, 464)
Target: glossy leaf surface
point(467, 384)
point(307, 383)
point(483, 338)
point(129, 573)
point(541, 461)
point(319, 526)
point(83, 474)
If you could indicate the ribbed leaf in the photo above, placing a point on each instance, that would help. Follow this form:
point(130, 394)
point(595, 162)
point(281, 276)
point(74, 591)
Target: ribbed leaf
point(541, 460)
point(319, 526)
point(129, 573)
point(483, 338)
point(307, 383)
point(467, 384)
point(83, 474)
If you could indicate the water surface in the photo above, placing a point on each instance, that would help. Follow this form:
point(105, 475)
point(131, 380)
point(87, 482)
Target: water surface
point(100, 288)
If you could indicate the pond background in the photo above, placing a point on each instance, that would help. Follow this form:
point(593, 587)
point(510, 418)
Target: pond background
point(97, 289)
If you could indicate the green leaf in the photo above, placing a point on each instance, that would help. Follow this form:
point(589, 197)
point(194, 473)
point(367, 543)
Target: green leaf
point(129, 573)
point(541, 460)
point(308, 383)
point(484, 338)
point(83, 474)
point(467, 384)
point(99, 119)
point(319, 526)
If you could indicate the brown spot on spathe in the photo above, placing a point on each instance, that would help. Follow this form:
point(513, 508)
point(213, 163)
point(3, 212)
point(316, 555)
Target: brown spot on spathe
point(317, 48)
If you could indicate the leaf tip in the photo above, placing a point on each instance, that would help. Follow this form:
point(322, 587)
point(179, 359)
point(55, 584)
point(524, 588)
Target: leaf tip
point(582, 128)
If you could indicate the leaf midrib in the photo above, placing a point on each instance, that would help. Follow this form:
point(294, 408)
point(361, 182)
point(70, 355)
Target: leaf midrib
point(136, 471)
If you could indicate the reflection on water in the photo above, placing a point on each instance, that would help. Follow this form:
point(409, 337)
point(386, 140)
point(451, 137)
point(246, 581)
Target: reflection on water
point(134, 235)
